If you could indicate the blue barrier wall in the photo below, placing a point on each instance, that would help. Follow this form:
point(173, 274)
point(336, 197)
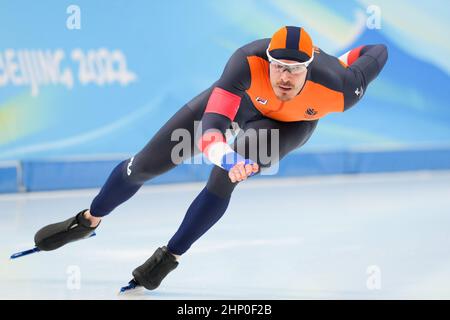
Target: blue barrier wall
point(59, 174)
point(9, 180)
point(40, 175)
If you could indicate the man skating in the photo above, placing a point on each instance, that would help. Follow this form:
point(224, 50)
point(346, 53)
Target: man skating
point(283, 83)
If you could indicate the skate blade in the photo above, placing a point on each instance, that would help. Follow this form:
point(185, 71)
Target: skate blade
point(34, 250)
point(24, 253)
point(131, 288)
point(92, 235)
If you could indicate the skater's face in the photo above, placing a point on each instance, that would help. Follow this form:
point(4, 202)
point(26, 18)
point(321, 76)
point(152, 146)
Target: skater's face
point(286, 84)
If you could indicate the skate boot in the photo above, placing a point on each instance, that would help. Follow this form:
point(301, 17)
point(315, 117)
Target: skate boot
point(56, 235)
point(155, 269)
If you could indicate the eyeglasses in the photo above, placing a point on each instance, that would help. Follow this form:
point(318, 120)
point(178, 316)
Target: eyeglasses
point(292, 68)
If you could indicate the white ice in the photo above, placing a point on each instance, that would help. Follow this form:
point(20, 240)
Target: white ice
point(381, 236)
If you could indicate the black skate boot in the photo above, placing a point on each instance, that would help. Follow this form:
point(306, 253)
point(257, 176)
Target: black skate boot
point(56, 235)
point(155, 269)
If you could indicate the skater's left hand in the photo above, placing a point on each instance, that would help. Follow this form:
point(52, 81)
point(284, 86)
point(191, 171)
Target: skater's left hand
point(242, 171)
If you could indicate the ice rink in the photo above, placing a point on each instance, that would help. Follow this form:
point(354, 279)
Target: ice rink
point(381, 236)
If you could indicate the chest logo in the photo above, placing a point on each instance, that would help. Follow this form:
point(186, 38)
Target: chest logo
point(261, 100)
point(359, 92)
point(310, 112)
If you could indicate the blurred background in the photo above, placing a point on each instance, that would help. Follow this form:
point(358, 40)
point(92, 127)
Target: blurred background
point(85, 84)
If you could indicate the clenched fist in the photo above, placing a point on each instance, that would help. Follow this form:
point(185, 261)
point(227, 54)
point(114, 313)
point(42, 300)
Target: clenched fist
point(241, 172)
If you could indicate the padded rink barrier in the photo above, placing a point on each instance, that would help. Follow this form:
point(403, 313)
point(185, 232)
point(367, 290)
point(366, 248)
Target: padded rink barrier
point(9, 176)
point(43, 175)
point(46, 175)
point(353, 162)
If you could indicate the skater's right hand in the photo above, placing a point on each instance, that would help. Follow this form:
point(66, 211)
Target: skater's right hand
point(242, 171)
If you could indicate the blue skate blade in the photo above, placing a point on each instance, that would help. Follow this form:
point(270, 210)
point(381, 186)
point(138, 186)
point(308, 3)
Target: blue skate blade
point(34, 250)
point(25, 253)
point(131, 285)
